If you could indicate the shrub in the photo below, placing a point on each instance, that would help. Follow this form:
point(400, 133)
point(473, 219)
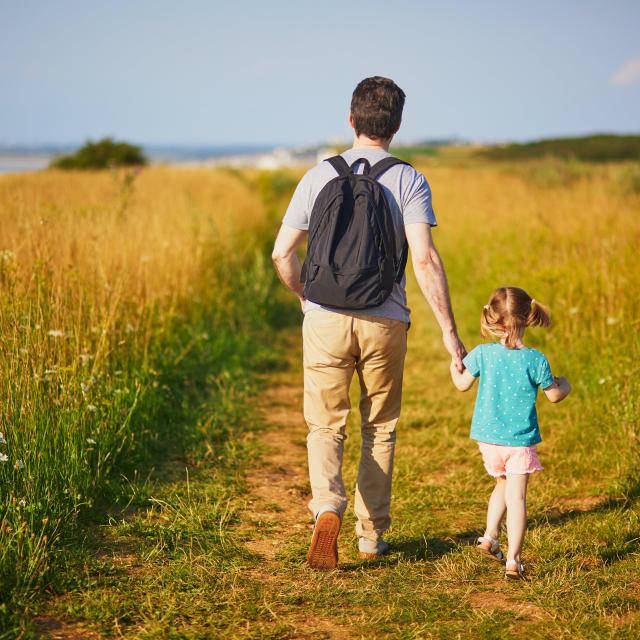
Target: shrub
point(104, 154)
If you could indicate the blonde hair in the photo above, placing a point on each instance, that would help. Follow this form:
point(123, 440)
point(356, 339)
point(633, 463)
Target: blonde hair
point(509, 312)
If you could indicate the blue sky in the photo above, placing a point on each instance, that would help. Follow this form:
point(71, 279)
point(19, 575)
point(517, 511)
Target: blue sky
point(208, 72)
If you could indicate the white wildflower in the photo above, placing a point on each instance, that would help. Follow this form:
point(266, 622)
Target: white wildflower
point(55, 333)
point(573, 311)
point(129, 328)
point(91, 441)
point(4, 457)
point(84, 387)
point(601, 381)
point(2, 440)
point(611, 320)
point(204, 336)
point(92, 407)
point(7, 256)
point(19, 465)
point(22, 502)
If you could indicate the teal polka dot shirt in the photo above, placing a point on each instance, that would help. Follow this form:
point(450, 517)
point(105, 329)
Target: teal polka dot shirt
point(505, 409)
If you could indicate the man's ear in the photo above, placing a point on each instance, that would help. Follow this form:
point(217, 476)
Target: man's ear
point(351, 122)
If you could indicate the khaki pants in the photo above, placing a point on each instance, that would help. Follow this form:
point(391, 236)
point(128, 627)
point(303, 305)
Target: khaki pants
point(335, 346)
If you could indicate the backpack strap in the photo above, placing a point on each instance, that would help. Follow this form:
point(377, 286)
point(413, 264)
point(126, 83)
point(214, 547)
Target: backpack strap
point(340, 165)
point(366, 166)
point(382, 165)
point(376, 171)
point(402, 265)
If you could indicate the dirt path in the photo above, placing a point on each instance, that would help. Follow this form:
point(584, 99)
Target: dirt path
point(276, 507)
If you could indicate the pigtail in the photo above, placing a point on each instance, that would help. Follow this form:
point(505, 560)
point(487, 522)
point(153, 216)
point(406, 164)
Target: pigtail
point(538, 315)
point(488, 323)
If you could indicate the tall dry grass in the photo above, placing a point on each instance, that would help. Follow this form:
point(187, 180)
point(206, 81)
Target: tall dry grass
point(571, 240)
point(105, 279)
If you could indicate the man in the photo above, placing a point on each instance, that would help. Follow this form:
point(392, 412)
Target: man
point(370, 342)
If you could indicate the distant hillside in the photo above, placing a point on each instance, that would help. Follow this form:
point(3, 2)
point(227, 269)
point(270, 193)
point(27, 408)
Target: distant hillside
point(596, 148)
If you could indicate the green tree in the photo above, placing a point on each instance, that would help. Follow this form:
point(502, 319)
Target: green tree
point(104, 154)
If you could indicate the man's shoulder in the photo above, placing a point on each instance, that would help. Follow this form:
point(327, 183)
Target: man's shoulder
point(318, 175)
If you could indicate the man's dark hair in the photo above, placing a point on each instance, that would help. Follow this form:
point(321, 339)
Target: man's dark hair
point(376, 107)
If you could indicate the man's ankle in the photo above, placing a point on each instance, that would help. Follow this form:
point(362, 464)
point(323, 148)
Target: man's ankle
point(377, 547)
point(328, 507)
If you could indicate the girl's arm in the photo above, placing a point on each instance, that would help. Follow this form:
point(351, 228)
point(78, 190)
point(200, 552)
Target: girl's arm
point(463, 380)
point(559, 390)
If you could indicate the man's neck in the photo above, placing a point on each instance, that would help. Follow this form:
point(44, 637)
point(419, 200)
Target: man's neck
point(362, 142)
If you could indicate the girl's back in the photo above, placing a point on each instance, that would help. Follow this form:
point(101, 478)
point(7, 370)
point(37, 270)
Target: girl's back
point(505, 409)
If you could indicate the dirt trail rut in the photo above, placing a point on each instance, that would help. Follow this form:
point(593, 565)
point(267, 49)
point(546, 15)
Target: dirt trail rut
point(278, 485)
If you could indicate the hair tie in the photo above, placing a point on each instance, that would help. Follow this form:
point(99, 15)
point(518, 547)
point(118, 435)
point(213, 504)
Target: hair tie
point(486, 307)
point(533, 301)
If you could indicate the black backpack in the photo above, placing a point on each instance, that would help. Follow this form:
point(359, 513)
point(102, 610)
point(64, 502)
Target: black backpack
point(351, 258)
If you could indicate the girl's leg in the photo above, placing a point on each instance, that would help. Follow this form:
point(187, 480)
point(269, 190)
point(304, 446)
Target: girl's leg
point(495, 510)
point(515, 495)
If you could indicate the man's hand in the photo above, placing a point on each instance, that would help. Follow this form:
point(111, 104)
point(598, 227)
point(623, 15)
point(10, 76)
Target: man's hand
point(455, 348)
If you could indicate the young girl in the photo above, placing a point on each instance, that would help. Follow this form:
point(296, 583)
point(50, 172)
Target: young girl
point(505, 422)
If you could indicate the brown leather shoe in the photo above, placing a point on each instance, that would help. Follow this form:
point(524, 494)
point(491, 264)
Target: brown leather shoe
point(323, 551)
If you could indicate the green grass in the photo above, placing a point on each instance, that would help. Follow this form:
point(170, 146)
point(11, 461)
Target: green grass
point(595, 148)
point(89, 436)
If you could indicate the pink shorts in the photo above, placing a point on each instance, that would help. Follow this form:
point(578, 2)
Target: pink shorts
point(500, 460)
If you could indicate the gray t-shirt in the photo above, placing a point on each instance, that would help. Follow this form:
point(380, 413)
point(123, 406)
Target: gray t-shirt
point(409, 197)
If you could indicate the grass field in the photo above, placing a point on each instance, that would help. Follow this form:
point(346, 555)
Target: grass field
point(151, 374)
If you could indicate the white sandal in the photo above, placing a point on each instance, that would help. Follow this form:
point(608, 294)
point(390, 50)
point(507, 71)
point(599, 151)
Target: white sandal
point(490, 546)
point(514, 569)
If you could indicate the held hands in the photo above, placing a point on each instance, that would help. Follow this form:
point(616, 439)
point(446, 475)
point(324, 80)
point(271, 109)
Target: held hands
point(462, 380)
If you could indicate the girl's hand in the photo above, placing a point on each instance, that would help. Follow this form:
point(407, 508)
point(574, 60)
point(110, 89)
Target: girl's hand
point(559, 390)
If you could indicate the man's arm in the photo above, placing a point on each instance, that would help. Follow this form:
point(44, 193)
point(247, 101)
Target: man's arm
point(286, 260)
point(432, 280)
